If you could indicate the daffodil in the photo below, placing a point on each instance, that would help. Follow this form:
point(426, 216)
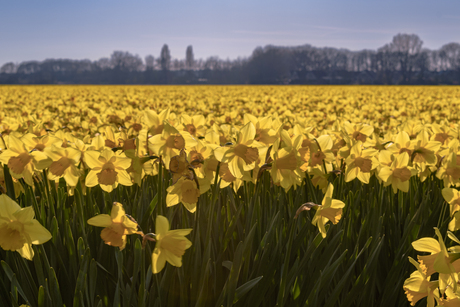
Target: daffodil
point(170, 245)
point(424, 151)
point(64, 165)
point(398, 173)
point(358, 132)
point(438, 261)
point(449, 171)
point(330, 210)
point(107, 169)
point(18, 228)
point(286, 161)
point(319, 179)
point(443, 134)
point(402, 143)
point(360, 163)
point(243, 155)
point(31, 141)
point(200, 156)
point(418, 286)
point(116, 226)
point(155, 122)
point(180, 167)
point(170, 142)
point(194, 124)
point(21, 162)
point(317, 153)
point(184, 191)
point(452, 197)
point(264, 128)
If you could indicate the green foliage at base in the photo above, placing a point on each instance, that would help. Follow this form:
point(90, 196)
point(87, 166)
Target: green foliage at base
point(248, 250)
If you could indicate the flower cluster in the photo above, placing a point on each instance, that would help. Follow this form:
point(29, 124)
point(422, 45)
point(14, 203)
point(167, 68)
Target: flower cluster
point(442, 261)
point(170, 244)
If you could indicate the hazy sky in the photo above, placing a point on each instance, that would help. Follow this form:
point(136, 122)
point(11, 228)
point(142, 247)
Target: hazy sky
point(91, 29)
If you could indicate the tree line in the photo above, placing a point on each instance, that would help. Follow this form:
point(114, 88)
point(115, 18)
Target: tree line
point(402, 61)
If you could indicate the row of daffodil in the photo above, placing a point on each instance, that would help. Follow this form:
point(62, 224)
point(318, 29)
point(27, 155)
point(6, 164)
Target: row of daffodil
point(360, 148)
point(83, 109)
point(195, 155)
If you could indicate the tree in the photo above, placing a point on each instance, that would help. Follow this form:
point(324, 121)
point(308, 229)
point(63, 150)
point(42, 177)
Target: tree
point(9, 68)
point(125, 61)
point(149, 62)
point(103, 63)
point(165, 58)
point(450, 56)
point(406, 48)
point(189, 58)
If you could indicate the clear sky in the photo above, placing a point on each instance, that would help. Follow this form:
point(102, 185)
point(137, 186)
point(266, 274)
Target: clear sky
point(91, 29)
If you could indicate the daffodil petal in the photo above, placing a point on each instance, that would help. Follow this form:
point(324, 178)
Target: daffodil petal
point(101, 220)
point(37, 233)
point(158, 261)
point(161, 225)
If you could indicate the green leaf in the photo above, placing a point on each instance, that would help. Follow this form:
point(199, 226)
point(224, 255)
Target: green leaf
point(245, 288)
point(55, 293)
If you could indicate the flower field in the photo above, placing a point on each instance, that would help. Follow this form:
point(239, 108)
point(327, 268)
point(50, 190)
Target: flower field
point(229, 195)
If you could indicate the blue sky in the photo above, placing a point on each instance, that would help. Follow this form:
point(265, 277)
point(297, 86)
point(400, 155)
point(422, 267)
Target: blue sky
point(40, 29)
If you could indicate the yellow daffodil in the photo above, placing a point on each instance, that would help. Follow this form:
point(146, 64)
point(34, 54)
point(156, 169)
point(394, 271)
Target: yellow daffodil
point(64, 165)
point(443, 134)
point(286, 161)
point(358, 132)
point(18, 228)
point(184, 191)
point(424, 151)
point(116, 226)
point(317, 153)
point(21, 162)
point(449, 171)
point(264, 128)
point(107, 169)
point(180, 167)
point(194, 124)
point(398, 173)
point(170, 142)
point(330, 210)
point(418, 286)
point(319, 179)
point(170, 245)
point(243, 155)
point(155, 122)
point(402, 143)
point(360, 163)
point(31, 141)
point(438, 261)
point(452, 197)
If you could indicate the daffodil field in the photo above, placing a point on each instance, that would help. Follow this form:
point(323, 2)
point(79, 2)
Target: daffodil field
point(229, 196)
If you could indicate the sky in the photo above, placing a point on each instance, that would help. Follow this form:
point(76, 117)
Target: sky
point(92, 29)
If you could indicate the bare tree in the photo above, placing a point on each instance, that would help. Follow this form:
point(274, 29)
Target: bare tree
point(103, 63)
point(125, 61)
point(406, 48)
point(450, 56)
